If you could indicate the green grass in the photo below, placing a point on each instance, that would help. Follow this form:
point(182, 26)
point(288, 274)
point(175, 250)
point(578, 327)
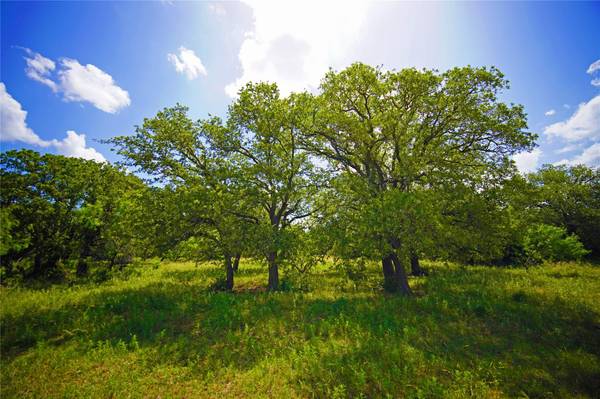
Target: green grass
point(470, 332)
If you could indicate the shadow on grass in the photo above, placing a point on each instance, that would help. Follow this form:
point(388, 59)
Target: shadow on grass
point(469, 324)
point(214, 271)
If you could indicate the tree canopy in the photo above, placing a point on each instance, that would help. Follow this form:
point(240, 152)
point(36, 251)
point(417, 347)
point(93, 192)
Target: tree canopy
point(374, 166)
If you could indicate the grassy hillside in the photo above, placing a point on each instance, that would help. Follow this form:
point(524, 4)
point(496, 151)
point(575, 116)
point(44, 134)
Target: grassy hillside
point(159, 332)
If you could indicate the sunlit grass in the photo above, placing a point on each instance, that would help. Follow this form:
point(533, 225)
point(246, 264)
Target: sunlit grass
point(470, 332)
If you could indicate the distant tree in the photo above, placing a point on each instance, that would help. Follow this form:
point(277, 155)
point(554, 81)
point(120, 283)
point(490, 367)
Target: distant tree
point(477, 224)
point(57, 209)
point(127, 229)
point(407, 131)
point(569, 197)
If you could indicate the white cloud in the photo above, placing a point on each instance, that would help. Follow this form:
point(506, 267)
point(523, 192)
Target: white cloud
point(550, 112)
point(188, 63)
point(74, 146)
point(583, 124)
point(590, 156)
point(40, 68)
point(595, 66)
point(567, 106)
point(293, 44)
point(91, 84)
point(527, 161)
point(13, 126)
point(82, 83)
point(568, 148)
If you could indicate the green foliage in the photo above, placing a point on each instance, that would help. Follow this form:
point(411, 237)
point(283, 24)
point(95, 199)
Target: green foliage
point(543, 242)
point(203, 198)
point(569, 197)
point(263, 135)
point(399, 138)
point(58, 212)
point(376, 169)
point(382, 165)
point(477, 225)
point(470, 332)
point(356, 274)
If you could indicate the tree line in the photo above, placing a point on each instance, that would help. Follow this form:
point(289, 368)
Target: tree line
point(384, 166)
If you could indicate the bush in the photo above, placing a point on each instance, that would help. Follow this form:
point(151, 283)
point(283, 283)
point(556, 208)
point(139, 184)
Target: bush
point(101, 275)
point(543, 242)
point(354, 271)
point(296, 281)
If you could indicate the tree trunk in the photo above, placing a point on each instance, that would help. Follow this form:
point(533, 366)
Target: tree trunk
point(415, 266)
point(229, 272)
point(400, 275)
point(236, 262)
point(82, 268)
point(389, 279)
point(37, 266)
point(273, 272)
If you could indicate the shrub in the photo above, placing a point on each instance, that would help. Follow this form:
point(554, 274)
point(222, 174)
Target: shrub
point(101, 275)
point(543, 242)
point(354, 271)
point(295, 280)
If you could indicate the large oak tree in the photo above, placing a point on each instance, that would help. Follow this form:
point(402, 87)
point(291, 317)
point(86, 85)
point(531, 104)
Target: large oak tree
point(407, 131)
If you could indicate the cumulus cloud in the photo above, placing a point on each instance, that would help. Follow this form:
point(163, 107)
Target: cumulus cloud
point(590, 156)
point(40, 68)
point(550, 112)
point(527, 161)
point(583, 124)
point(81, 83)
point(13, 128)
point(74, 146)
point(595, 82)
point(88, 83)
point(188, 63)
point(293, 44)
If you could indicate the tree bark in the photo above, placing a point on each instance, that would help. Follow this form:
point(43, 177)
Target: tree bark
point(229, 272)
point(273, 272)
point(400, 276)
point(37, 266)
point(401, 280)
point(389, 279)
point(82, 268)
point(415, 266)
point(236, 262)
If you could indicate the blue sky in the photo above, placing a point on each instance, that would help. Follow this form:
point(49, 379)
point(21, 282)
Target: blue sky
point(76, 72)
